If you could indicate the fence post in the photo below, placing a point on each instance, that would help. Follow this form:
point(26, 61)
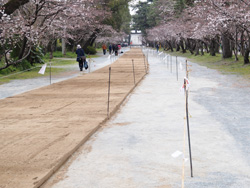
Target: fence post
point(145, 64)
point(133, 69)
point(50, 73)
point(109, 92)
point(89, 64)
point(187, 117)
point(171, 63)
point(176, 68)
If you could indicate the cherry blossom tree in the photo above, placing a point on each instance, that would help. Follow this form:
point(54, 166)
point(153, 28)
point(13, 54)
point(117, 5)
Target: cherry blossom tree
point(42, 22)
point(206, 24)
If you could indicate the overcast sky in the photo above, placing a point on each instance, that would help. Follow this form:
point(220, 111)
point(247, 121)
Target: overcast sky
point(133, 3)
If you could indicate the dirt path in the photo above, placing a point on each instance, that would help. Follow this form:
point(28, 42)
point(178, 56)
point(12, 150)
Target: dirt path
point(40, 129)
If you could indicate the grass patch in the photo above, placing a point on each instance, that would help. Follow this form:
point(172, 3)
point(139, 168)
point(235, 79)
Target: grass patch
point(92, 56)
point(227, 66)
point(61, 62)
point(99, 49)
point(33, 73)
point(59, 54)
point(14, 73)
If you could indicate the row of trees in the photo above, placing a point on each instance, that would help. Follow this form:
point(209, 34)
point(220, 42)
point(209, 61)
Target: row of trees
point(202, 25)
point(27, 25)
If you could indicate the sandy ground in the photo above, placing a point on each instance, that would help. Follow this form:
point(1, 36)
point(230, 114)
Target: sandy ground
point(134, 149)
point(41, 128)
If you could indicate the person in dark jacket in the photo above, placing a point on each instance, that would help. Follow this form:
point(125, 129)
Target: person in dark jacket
point(116, 50)
point(113, 48)
point(110, 49)
point(80, 56)
point(157, 47)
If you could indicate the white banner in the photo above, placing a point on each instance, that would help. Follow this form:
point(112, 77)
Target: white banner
point(42, 70)
point(176, 154)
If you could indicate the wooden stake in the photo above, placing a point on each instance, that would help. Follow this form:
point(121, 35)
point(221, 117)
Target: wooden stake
point(145, 64)
point(187, 117)
point(133, 69)
point(50, 73)
point(109, 92)
point(176, 68)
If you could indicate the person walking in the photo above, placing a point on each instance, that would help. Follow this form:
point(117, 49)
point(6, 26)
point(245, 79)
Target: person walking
point(119, 47)
point(104, 48)
point(80, 56)
point(116, 50)
point(113, 47)
point(110, 49)
point(157, 47)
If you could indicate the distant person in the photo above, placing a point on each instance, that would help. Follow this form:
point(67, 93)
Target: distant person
point(104, 48)
point(119, 47)
point(80, 56)
point(113, 47)
point(110, 49)
point(116, 49)
point(157, 47)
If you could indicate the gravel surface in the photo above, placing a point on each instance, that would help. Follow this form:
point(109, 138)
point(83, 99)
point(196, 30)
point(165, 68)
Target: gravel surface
point(134, 149)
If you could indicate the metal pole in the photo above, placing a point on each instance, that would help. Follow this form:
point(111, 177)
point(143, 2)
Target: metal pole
point(133, 70)
point(187, 116)
point(109, 91)
point(171, 63)
point(186, 69)
point(167, 61)
point(176, 68)
point(50, 73)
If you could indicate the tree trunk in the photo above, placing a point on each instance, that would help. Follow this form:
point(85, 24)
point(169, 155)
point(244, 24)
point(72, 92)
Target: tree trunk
point(227, 50)
point(173, 44)
point(182, 46)
point(216, 46)
point(170, 46)
point(51, 49)
point(236, 45)
point(13, 5)
point(22, 50)
point(242, 48)
point(197, 48)
point(206, 47)
point(177, 47)
point(189, 47)
point(202, 49)
point(91, 39)
point(63, 47)
point(246, 55)
point(193, 45)
point(212, 47)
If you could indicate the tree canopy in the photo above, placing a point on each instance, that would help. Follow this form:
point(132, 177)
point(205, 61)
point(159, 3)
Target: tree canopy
point(194, 25)
point(27, 24)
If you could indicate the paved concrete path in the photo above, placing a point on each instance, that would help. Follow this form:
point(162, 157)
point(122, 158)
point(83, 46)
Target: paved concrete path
point(41, 128)
point(134, 149)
